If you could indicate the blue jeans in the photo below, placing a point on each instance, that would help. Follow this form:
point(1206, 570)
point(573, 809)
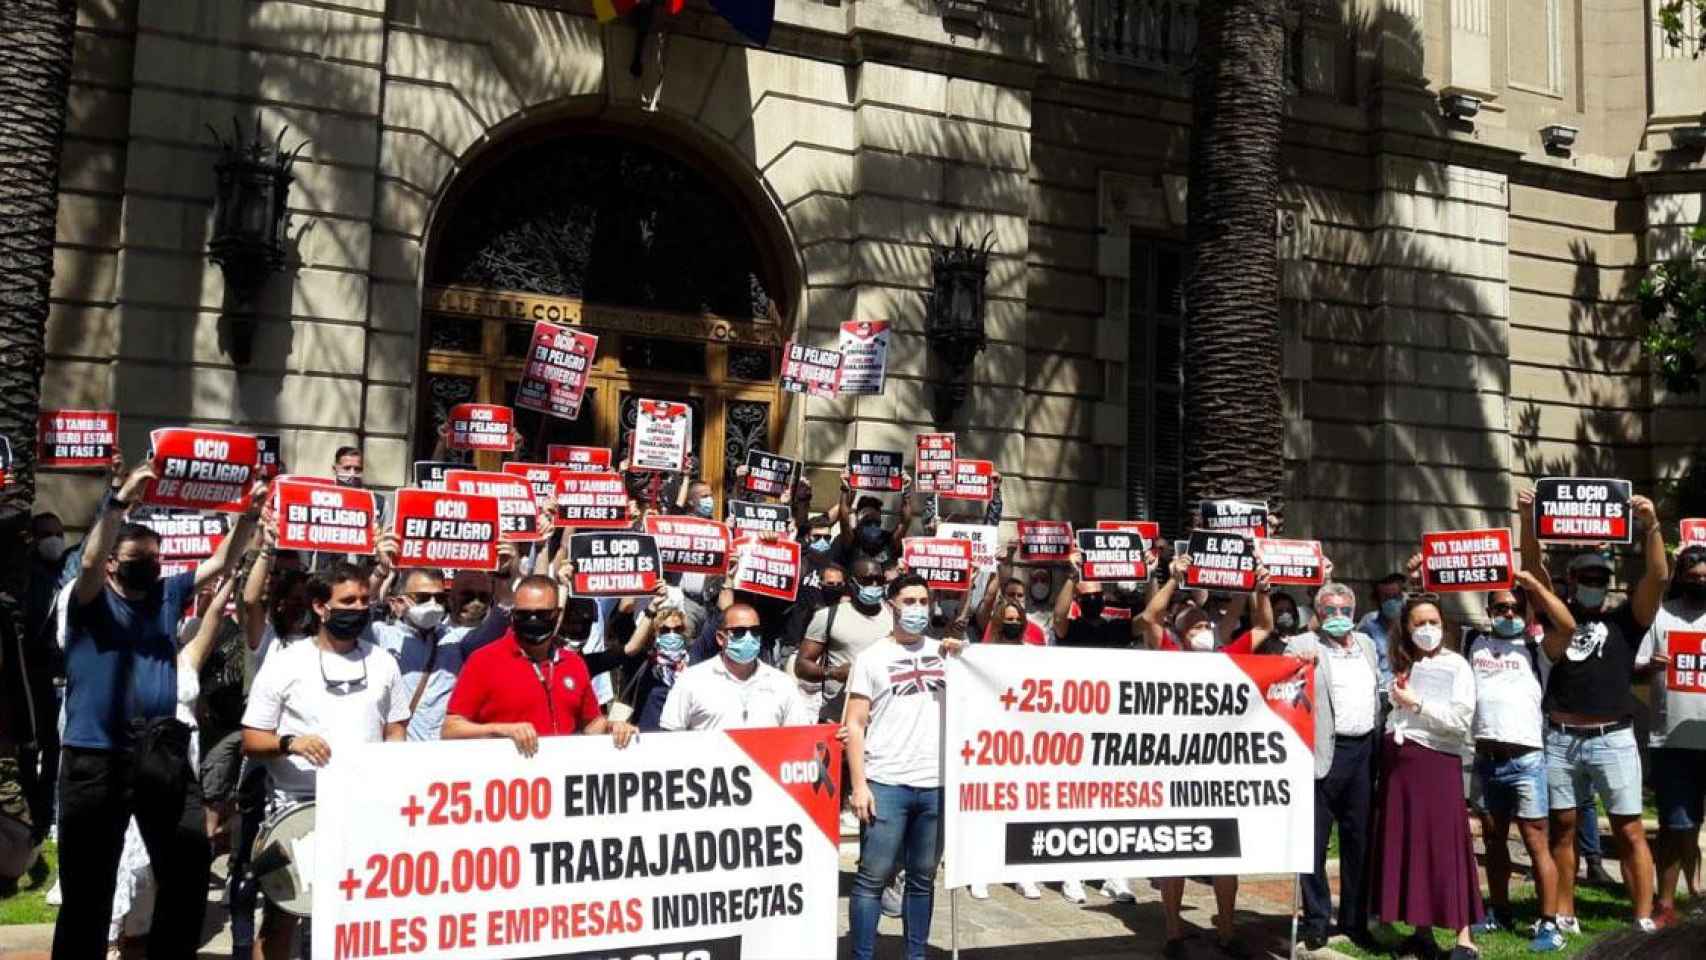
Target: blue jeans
point(1580, 766)
point(906, 832)
point(1514, 787)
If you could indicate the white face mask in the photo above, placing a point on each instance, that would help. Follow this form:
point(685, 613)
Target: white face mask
point(1201, 639)
point(424, 616)
point(1427, 637)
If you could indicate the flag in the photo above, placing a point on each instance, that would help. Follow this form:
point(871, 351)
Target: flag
point(609, 10)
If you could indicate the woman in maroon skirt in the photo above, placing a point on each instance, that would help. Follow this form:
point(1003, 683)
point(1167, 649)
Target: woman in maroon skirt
point(1426, 874)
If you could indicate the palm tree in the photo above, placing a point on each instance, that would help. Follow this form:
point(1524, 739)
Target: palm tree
point(1234, 426)
point(35, 72)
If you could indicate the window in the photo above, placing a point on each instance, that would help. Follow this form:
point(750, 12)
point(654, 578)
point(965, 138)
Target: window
point(1534, 43)
point(1157, 34)
point(1155, 454)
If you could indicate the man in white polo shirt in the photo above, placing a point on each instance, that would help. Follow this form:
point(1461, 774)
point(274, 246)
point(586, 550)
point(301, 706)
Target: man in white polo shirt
point(734, 690)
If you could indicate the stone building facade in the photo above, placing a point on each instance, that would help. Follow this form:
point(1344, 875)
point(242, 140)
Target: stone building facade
point(1457, 295)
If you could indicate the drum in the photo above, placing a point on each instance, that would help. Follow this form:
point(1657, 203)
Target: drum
point(282, 861)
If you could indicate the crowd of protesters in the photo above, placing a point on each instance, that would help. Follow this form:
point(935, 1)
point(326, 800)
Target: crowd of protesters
point(194, 706)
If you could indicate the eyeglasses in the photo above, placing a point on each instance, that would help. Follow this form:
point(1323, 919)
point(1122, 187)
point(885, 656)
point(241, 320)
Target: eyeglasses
point(343, 687)
point(426, 596)
point(1337, 611)
point(1503, 607)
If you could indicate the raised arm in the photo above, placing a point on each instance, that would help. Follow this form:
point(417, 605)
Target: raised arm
point(92, 577)
point(1560, 623)
point(1151, 620)
point(224, 560)
point(1650, 591)
point(253, 606)
point(1261, 610)
point(1529, 546)
point(1068, 593)
point(194, 653)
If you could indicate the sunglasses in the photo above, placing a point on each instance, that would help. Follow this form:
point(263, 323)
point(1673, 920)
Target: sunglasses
point(426, 596)
point(1504, 607)
point(343, 687)
point(869, 581)
point(1340, 611)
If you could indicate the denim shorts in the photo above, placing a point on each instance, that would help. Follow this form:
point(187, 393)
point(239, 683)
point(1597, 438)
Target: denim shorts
point(1679, 786)
point(1580, 765)
point(1515, 787)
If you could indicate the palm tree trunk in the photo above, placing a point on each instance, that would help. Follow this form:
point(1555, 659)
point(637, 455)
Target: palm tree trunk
point(1234, 427)
point(35, 73)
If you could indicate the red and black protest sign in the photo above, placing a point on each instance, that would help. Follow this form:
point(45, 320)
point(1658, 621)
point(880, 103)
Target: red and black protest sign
point(1112, 555)
point(1238, 516)
point(481, 426)
point(1687, 670)
point(542, 477)
point(1464, 560)
point(202, 470)
point(446, 530)
point(934, 463)
point(812, 370)
point(611, 564)
point(747, 516)
point(554, 380)
point(429, 474)
point(1574, 510)
point(591, 498)
point(518, 512)
point(769, 568)
point(269, 455)
point(1149, 530)
point(690, 545)
point(878, 470)
point(580, 458)
point(973, 480)
point(186, 538)
point(76, 438)
point(943, 562)
point(1221, 560)
point(1045, 541)
point(1693, 532)
point(312, 516)
point(1292, 563)
point(661, 434)
point(768, 474)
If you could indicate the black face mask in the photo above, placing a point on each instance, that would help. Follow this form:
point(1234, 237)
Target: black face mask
point(833, 592)
point(137, 574)
point(1693, 591)
point(533, 628)
point(1012, 631)
point(1090, 605)
point(347, 624)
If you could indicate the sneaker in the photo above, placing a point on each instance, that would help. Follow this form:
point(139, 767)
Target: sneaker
point(979, 891)
point(1664, 917)
point(1547, 939)
point(1491, 923)
point(1118, 890)
point(1029, 890)
point(1569, 926)
point(1073, 891)
point(892, 895)
point(1646, 925)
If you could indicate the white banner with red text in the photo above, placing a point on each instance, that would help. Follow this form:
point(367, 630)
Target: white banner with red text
point(1065, 763)
point(717, 845)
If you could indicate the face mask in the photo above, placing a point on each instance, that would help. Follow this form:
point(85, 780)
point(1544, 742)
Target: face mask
point(347, 624)
point(1012, 631)
point(1508, 627)
point(1427, 637)
point(50, 549)
point(530, 628)
point(1590, 598)
point(1694, 592)
point(348, 481)
point(870, 594)
point(577, 634)
point(1391, 607)
point(818, 545)
point(1039, 590)
point(1199, 640)
point(705, 507)
point(424, 616)
point(833, 591)
point(138, 574)
point(672, 642)
point(1336, 626)
point(1285, 621)
point(1090, 605)
point(915, 619)
point(742, 647)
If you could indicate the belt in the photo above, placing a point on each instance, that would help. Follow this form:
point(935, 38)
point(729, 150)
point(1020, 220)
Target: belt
point(1503, 751)
point(1590, 729)
point(1353, 736)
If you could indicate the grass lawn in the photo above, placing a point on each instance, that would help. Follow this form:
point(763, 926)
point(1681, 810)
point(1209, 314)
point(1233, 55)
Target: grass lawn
point(29, 904)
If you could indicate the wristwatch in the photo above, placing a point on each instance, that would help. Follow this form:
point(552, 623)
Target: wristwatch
point(284, 743)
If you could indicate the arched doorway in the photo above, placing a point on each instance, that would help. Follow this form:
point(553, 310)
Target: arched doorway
point(630, 241)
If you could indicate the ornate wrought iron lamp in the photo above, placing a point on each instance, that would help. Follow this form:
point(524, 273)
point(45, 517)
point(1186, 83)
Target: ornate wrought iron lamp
point(250, 217)
point(954, 317)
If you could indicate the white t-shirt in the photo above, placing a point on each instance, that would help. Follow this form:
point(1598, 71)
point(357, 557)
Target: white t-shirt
point(1448, 705)
point(290, 696)
point(905, 685)
point(1679, 716)
point(854, 633)
point(708, 696)
point(269, 639)
point(1507, 689)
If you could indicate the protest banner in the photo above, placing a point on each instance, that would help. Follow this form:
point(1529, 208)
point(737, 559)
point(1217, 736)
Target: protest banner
point(1149, 530)
point(1112, 555)
point(591, 499)
point(690, 545)
point(481, 426)
point(1045, 541)
point(881, 471)
point(1236, 516)
point(973, 480)
point(429, 474)
point(269, 456)
point(451, 531)
point(768, 474)
point(811, 370)
point(581, 458)
point(554, 380)
point(1693, 532)
point(747, 516)
point(769, 568)
point(313, 516)
point(660, 436)
point(1068, 763)
point(202, 470)
point(186, 538)
point(75, 439)
point(1465, 560)
point(934, 463)
point(864, 355)
point(611, 564)
point(711, 845)
point(1574, 510)
point(542, 477)
point(1221, 561)
point(1686, 672)
point(985, 540)
point(1293, 563)
point(944, 563)
point(518, 512)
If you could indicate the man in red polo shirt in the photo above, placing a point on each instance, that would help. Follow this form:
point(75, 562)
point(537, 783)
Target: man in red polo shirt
point(526, 685)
